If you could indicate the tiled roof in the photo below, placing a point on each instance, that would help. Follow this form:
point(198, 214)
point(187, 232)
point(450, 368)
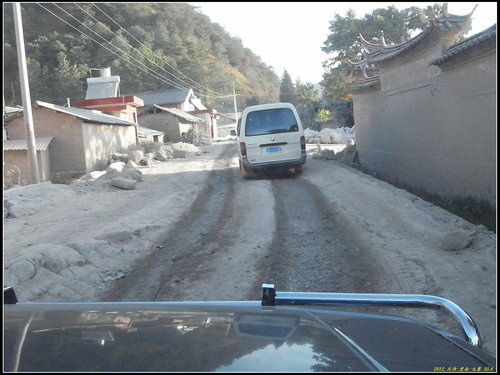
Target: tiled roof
point(41, 144)
point(385, 53)
point(10, 113)
point(376, 53)
point(144, 132)
point(365, 83)
point(9, 110)
point(180, 113)
point(484, 36)
point(164, 97)
point(87, 114)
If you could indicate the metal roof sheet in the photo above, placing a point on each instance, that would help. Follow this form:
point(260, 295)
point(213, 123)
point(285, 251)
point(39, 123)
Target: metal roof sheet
point(9, 110)
point(142, 131)
point(180, 113)
point(41, 144)
point(164, 97)
point(87, 114)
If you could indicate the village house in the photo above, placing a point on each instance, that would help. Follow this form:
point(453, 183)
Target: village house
point(425, 109)
point(225, 123)
point(209, 117)
point(178, 99)
point(75, 140)
point(185, 100)
point(103, 95)
point(15, 161)
point(173, 122)
point(72, 141)
point(147, 135)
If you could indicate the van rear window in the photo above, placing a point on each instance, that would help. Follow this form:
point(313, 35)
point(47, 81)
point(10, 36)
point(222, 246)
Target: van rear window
point(270, 121)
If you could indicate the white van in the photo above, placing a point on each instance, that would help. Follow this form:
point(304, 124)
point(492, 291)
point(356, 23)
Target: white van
point(271, 136)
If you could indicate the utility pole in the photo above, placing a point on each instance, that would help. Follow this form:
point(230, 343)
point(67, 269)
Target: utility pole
point(25, 93)
point(235, 108)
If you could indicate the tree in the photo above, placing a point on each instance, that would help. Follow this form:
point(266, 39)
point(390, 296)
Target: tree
point(308, 104)
point(177, 43)
point(287, 89)
point(68, 79)
point(343, 43)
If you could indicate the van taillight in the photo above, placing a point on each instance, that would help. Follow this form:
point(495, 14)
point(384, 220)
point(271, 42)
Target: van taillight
point(303, 143)
point(243, 149)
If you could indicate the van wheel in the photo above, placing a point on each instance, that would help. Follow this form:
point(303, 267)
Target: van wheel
point(245, 172)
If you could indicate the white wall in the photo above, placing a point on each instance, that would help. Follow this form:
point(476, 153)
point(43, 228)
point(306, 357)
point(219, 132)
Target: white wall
point(102, 140)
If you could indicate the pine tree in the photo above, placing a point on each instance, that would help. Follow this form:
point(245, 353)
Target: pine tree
point(288, 93)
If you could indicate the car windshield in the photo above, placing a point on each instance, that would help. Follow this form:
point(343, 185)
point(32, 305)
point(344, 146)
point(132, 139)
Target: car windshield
point(279, 120)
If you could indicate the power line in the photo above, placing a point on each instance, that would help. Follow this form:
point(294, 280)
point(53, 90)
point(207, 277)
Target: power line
point(126, 53)
point(142, 44)
point(166, 80)
point(156, 75)
point(173, 75)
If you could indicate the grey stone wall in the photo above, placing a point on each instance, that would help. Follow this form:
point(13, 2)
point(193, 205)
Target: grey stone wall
point(430, 128)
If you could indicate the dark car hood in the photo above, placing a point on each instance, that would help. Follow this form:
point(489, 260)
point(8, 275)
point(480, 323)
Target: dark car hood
point(222, 337)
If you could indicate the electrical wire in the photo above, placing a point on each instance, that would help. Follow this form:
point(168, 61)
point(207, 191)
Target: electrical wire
point(161, 78)
point(166, 62)
point(155, 76)
point(126, 53)
point(199, 86)
point(164, 79)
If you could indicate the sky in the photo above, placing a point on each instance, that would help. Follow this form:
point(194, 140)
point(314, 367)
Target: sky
point(289, 35)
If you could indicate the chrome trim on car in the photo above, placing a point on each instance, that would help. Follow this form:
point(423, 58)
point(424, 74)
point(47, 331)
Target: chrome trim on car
point(469, 328)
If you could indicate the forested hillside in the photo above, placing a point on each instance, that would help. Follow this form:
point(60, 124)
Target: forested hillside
point(151, 46)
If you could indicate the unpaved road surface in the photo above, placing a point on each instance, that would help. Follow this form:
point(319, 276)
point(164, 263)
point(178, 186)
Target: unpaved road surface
point(331, 229)
point(275, 228)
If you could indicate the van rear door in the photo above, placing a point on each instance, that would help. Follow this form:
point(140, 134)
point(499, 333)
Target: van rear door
point(272, 135)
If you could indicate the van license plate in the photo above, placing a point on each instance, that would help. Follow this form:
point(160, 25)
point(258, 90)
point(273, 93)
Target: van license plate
point(274, 149)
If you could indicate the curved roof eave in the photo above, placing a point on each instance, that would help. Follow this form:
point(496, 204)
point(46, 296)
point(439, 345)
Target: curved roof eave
point(466, 44)
point(445, 21)
point(364, 84)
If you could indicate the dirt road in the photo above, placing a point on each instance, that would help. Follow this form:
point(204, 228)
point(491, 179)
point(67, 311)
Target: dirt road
point(275, 228)
point(339, 231)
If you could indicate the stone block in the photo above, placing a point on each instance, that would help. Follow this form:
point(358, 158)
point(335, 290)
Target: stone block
point(123, 183)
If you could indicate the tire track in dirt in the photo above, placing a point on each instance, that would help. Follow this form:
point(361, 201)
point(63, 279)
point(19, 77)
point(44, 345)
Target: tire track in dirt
point(155, 277)
point(313, 248)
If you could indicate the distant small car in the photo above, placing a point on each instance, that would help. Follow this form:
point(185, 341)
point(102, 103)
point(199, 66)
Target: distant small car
point(285, 331)
point(229, 136)
point(271, 137)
